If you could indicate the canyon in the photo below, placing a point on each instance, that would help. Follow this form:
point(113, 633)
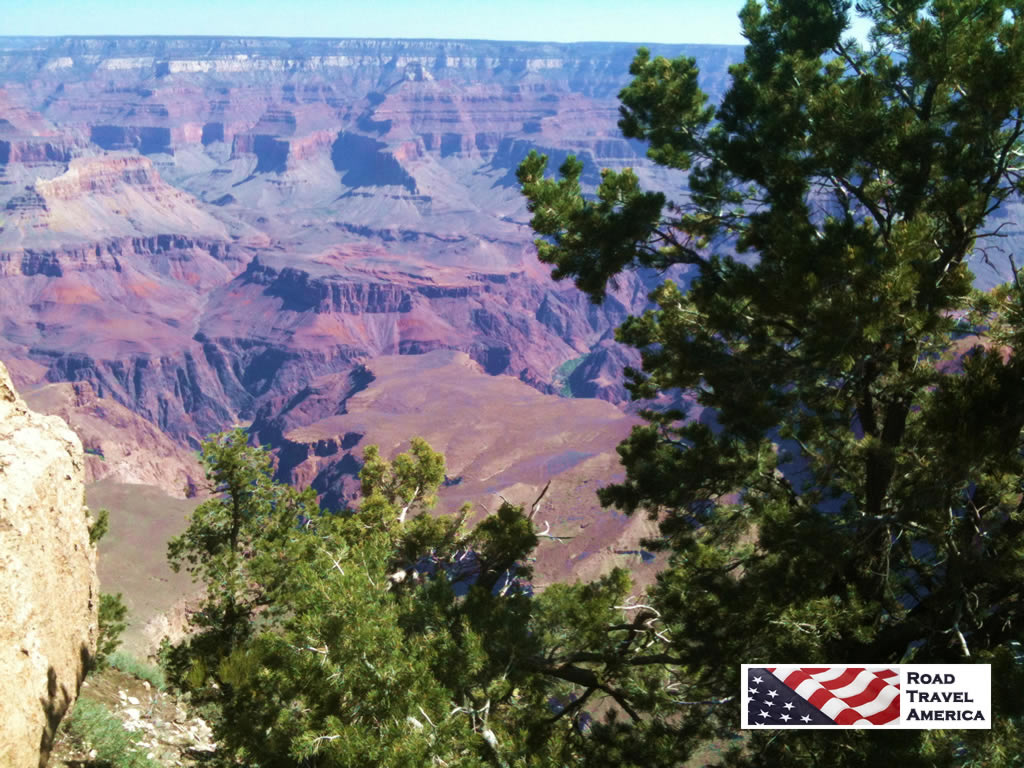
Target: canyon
point(195, 226)
point(191, 230)
point(323, 241)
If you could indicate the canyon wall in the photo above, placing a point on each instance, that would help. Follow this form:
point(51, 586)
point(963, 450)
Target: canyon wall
point(193, 227)
point(193, 230)
point(49, 592)
point(196, 227)
point(201, 233)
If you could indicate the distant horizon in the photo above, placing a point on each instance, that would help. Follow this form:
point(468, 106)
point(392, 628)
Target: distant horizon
point(99, 36)
point(662, 22)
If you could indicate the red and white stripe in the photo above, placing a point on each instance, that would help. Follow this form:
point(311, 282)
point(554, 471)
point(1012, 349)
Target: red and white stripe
point(849, 695)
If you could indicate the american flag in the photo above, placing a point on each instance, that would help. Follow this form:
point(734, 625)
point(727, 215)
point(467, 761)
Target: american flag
point(817, 696)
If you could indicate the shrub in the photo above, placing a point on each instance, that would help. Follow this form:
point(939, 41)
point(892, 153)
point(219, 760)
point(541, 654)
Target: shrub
point(112, 624)
point(92, 727)
point(99, 526)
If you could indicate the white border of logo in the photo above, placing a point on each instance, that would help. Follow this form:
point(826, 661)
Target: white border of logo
point(932, 696)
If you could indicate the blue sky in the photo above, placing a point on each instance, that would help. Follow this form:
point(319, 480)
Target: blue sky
point(652, 21)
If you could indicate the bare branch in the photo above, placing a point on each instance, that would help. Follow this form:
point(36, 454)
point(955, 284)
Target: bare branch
point(546, 534)
point(401, 516)
point(726, 700)
point(638, 605)
point(320, 739)
point(535, 507)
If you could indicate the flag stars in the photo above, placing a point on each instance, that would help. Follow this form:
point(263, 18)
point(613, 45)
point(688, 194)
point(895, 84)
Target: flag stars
point(785, 718)
point(764, 714)
point(752, 690)
point(788, 705)
point(758, 680)
point(806, 718)
point(773, 694)
point(768, 703)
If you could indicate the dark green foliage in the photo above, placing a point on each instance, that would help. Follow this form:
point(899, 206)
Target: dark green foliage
point(409, 483)
point(112, 623)
point(112, 610)
point(608, 234)
point(859, 498)
point(389, 637)
point(240, 544)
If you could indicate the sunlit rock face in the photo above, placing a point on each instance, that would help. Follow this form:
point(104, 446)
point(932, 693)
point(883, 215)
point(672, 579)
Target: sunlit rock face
point(49, 591)
point(323, 240)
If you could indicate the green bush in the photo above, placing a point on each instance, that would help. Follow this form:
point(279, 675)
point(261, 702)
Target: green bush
point(99, 526)
point(112, 624)
point(390, 637)
point(92, 727)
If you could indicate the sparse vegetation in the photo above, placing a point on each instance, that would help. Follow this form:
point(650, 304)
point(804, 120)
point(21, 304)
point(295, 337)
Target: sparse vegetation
point(99, 526)
point(91, 727)
point(131, 665)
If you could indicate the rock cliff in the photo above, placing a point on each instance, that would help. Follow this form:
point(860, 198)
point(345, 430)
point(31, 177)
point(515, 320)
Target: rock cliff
point(49, 592)
point(119, 444)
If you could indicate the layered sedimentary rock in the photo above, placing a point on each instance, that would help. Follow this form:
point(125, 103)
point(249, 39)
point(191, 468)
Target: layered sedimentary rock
point(120, 446)
point(105, 271)
point(110, 196)
point(197, 227)
point(193, 226)
point(49, 593)
point(203, 232)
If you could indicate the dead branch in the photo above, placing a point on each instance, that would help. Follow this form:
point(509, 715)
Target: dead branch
point(535, 507)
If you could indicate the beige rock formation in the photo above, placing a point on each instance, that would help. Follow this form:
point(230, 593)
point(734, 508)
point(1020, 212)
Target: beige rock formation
point(49, 591)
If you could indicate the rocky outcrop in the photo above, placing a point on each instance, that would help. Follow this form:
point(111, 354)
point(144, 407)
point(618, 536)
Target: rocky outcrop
point(34, 151)
point(179, 392)
point(516, 441)
point(229, 220)
point(191, 260)
point(102, 175)
point(600, 374)
point(49, 592)
point(119, 444)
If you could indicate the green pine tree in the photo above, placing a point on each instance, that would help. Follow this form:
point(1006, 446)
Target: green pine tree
point(241, 544)
point(857, 495)
point(391, 637)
